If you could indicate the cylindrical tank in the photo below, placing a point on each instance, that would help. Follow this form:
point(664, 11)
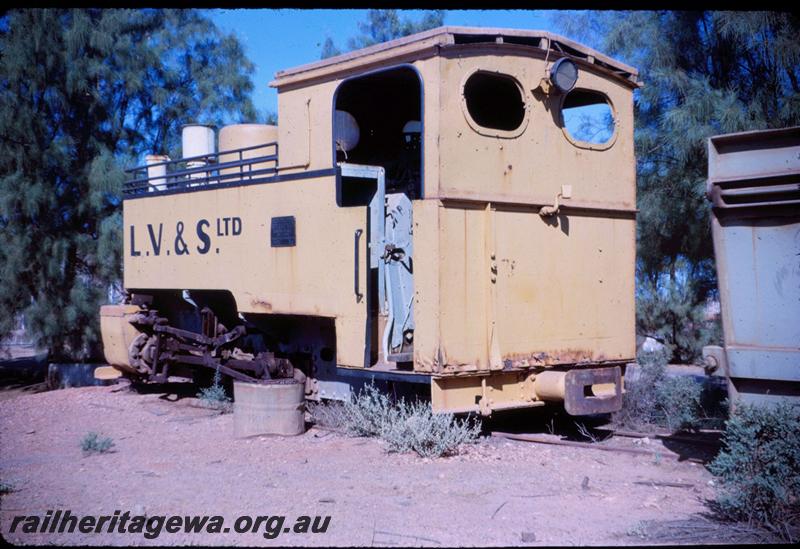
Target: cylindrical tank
point(197, 140)
point(274, 408)
point(239, 136)
point(157, 174)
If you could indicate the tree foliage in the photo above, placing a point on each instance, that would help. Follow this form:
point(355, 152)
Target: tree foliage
point(705, 73)
point(85, 92)
point(382, 26)
point(329, 49)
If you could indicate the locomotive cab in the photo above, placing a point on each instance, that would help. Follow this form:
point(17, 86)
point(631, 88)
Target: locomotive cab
point(452, 211)
point(378, 122)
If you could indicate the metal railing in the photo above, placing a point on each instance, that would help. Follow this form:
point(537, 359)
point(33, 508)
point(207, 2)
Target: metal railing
point(204, 171)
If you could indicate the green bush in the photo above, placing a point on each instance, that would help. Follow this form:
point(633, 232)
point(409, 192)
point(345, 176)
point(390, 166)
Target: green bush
point(402, 426)
point(93, 443)
point(759, 467)
point(678, 402)
point(657, 399)
point(215, 397)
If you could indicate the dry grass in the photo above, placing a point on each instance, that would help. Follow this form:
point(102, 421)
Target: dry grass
point(700, 531)
point(403, 426)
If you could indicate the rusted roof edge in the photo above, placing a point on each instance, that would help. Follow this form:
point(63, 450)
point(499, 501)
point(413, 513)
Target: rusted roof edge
point(446, 36)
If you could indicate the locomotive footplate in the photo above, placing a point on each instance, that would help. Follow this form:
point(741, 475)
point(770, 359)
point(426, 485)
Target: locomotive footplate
point(593, 391)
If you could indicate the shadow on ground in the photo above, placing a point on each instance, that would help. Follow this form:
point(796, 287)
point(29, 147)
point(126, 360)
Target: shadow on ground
point(171, 390)
point(699, 446)
point(23, 375)
point(549, 420)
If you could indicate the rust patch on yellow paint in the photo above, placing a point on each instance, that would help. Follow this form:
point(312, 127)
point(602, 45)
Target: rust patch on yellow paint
point(423, 363)
point(552, 358)
point(519, 361)
point(261, 304)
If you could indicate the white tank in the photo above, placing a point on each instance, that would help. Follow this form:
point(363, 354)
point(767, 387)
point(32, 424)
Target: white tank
point(156, 174)
point(197, 140)
point(239, 136)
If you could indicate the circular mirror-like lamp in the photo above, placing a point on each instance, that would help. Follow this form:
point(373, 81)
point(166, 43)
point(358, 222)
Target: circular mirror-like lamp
point(563, 75)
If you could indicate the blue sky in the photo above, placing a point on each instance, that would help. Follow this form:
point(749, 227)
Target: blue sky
point(281, 39)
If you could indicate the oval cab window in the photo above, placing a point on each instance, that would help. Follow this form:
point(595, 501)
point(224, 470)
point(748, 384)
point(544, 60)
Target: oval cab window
point(494, 101)
point(588, 118)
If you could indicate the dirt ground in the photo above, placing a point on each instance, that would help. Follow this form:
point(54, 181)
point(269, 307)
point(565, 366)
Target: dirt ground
point(174, 457)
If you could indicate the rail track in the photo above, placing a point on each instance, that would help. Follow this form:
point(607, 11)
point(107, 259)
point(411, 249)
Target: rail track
point(699, 447)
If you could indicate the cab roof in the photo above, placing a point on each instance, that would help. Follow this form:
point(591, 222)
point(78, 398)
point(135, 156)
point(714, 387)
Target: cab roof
point(432, 42)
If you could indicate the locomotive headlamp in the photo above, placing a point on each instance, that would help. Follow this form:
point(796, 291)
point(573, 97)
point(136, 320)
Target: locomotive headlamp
point(563, 75)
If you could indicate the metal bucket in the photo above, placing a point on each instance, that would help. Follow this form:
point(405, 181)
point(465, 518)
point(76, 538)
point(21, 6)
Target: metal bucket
point(276, 408)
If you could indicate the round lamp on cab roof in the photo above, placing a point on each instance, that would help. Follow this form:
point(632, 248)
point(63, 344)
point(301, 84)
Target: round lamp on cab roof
point(563, 75)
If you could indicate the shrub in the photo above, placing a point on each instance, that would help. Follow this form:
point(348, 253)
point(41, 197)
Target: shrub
point(678, 402)
point(402, 426)
point(93, 443)
point(759, 467)
point(416, 427)
point(369, 413)
point(6, 488)
point(657, 399)
point(329, 414)
point(215, 397)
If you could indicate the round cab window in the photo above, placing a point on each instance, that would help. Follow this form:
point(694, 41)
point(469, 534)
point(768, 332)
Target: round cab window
point(494, 101)
point(588, 117)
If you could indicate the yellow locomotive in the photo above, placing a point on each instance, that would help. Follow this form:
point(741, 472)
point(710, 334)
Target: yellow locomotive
point(453, 209)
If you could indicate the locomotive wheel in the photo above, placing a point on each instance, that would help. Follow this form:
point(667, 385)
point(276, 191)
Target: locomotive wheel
point(138, 353)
